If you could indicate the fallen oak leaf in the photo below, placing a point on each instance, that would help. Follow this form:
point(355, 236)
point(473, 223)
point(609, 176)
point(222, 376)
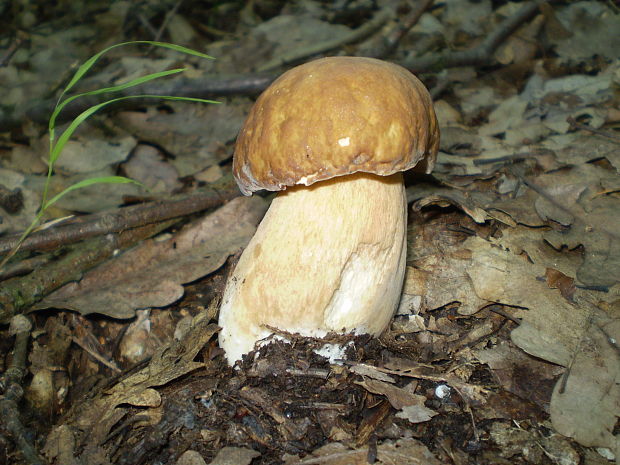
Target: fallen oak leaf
point(152, 274)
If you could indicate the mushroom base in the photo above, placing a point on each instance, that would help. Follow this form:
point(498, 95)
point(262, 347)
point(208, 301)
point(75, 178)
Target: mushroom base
point(326, 258)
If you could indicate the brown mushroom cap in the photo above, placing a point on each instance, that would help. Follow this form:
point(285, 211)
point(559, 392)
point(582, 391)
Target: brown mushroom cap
point(332, 117)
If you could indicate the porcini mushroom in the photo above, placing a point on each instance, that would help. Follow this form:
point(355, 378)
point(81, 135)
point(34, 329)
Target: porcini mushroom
point(329, 256)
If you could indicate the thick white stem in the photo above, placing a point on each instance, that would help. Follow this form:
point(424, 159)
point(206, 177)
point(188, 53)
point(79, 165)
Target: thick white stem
point(328, 257)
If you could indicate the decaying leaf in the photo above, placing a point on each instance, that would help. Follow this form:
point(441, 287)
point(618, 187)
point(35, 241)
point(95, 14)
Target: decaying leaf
point(234, 456)
point(92, 152)
point(148, 166)
point(21, 218)
point(513, 440)
point(401, 452)
point(551, 327)
point(152, 274)
point(196, 134)
point(510, 365)
point(586, 402)
point(191, 457)
point(94, 418)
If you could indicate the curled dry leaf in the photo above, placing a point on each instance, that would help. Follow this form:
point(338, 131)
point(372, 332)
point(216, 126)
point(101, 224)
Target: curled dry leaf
point(551, 327)
point(411, 405)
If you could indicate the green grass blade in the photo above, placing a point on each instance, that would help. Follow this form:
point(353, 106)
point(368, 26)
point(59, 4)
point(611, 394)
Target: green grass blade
point(64, 137)
point(89, 182)
point(85, 67)
point(88, 64)
point(78, 185)
point(126, 85)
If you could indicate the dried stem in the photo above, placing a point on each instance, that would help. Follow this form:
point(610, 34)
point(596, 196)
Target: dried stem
point(119, 220)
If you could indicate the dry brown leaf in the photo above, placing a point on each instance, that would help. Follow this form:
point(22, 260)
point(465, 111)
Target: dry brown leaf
point(152, 274)
point(446, 282)
point(447, 197)
point(551, 327)
point(523, 240)
point(472, 393)
point(400, 452)
point(369, 371)
point(586, 404)
point(195, 134)
point(576, 336)
point(514, 441)
point(191, 457)
point(92, 151)
point(60, 445)
point(234, 456)
point(146, 398)
point(400, 398)
point(21, 219)
point(510, 365)
point(148, 166)
point(97, 416)
point(416, 413)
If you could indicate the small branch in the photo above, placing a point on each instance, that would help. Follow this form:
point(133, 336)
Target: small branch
point(207, 86)
point(94, 354)
point(19, 293)
point(119, 220)
point(316, 49)
point(480, 55)
point(12, 49)
point(169, 15)
point(391, 40)
point(254, 84)
point(575, 125)
point(12, 393)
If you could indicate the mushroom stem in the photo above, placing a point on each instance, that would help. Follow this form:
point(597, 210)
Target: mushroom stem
point(328, 257)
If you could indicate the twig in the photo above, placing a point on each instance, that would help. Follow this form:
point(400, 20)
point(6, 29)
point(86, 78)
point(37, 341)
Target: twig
point(480, 55)
point(507, 159)
point(315, 49)
point(576, 214)
point(253, 84)
point(208, 86)
point(19, 293)
point(146, 24)
point(119, 220)
point(94, 354)
point(575, 125)
point(169, 15)
point(12, 393)
point(391, 40)
point(502, 313)
point(12, 49)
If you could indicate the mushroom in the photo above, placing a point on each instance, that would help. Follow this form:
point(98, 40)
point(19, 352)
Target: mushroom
point(329, 256)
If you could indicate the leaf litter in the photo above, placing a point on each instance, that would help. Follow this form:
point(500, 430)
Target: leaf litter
point(152, 274)
point(504, 349)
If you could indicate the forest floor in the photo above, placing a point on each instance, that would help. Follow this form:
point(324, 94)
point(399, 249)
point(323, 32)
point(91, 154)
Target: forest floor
point(504, 349)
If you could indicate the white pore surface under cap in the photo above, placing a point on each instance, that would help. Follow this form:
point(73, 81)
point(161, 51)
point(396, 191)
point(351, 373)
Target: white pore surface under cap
point(328, 257)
